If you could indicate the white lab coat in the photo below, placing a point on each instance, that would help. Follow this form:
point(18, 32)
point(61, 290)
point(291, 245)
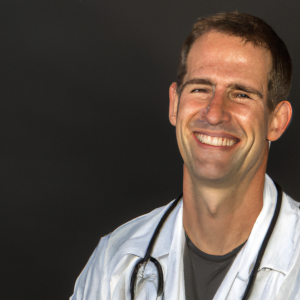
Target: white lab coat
point(107, 273)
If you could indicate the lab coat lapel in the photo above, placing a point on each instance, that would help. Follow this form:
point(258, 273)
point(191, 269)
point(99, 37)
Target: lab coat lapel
point(236, 280)
point(174, 287)
point(172, 264)
point(167, 250)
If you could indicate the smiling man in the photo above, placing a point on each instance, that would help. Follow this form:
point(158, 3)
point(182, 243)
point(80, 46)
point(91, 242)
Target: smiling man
point(233, 234)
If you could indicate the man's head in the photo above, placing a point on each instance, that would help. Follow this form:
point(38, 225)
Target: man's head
point(220, 104)
point(250, 29)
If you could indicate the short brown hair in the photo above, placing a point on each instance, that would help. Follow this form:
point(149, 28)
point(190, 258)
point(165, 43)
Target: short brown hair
point(250, 29)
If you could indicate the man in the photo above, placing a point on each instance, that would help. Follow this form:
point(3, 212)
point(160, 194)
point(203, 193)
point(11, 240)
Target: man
point(230, 236)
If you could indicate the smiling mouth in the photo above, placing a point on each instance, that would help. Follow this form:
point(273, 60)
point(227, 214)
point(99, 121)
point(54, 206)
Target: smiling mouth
point(215, 140)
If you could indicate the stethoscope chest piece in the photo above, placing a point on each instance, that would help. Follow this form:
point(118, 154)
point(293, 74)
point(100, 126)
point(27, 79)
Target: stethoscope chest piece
point(147, 282)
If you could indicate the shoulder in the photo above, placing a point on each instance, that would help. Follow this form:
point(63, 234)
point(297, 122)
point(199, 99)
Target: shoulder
point(294, 205)
point(289, 216)
point(290, 213)
point(87, 284)
point(130, 238)
point(291, 247)
point(136, 229)
point(287, 234)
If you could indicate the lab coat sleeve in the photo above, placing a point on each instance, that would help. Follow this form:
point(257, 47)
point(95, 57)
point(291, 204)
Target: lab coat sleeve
point(88, 284)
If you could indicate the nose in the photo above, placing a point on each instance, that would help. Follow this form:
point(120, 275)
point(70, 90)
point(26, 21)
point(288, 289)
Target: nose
point(216, 111)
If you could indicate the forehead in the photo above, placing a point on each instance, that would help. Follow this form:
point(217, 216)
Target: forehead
point(224, 57)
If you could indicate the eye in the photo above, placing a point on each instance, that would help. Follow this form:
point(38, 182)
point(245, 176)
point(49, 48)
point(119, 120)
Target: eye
point(241, 95)
point(199, 90)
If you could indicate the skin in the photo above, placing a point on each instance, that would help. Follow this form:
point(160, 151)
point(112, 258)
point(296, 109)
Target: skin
point(224, 94)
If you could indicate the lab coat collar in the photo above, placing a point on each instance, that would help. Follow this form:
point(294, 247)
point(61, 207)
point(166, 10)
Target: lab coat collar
point(281, 247)
point(282, 244)
point(147, 224)
point(138, 243)
point(134, 236)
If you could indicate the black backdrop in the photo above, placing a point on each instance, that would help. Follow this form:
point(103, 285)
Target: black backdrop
point(86, 144)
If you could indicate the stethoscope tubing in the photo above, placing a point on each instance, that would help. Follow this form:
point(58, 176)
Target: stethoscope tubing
point(148, 256)
point(264, 243)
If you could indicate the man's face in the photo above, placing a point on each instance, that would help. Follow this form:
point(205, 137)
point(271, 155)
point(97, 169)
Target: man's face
point(222, 118)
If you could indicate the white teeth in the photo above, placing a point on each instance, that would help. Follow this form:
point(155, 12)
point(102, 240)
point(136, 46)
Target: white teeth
point(214, 140)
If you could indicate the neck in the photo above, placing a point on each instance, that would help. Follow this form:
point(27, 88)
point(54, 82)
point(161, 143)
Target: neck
point(219, 219)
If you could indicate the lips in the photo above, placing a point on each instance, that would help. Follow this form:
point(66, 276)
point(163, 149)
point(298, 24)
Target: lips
point(215, 140)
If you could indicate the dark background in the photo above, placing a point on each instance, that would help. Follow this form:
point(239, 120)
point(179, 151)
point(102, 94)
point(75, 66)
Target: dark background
point(86, 144)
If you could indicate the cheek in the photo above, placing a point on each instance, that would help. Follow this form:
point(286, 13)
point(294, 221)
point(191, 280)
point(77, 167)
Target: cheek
point(189, 107)
point(253, 119)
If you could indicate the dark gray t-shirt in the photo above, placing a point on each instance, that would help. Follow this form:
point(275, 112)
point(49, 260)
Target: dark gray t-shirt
point(203, 273)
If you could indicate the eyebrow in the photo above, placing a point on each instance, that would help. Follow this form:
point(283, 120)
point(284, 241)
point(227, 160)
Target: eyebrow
point(196, 81)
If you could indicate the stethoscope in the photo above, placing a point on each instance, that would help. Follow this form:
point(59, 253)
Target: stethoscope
point(148, 257)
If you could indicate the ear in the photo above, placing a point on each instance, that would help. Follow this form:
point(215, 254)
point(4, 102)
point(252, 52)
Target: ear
point(173, 103)
point(279, 120)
